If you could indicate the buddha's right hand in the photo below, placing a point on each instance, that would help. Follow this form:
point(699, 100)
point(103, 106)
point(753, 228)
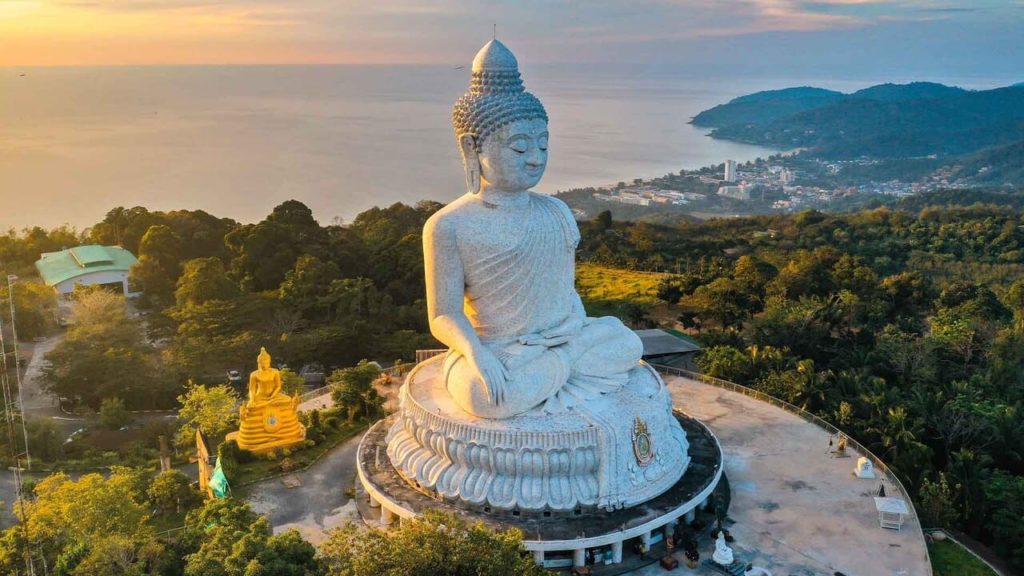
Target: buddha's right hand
point(492, 373)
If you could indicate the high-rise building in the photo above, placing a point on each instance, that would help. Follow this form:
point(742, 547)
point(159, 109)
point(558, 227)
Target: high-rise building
point(730, 171)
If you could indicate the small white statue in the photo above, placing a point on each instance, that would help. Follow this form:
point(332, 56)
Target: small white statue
point(864, 469)
point(723, 554)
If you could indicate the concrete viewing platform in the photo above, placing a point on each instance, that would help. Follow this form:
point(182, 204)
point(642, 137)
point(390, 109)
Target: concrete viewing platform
point(798, 509)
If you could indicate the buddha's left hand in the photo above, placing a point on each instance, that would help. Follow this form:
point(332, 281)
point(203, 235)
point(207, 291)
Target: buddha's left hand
point(556, 336)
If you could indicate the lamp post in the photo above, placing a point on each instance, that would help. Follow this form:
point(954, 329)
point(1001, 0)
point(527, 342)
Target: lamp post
point(11, 279)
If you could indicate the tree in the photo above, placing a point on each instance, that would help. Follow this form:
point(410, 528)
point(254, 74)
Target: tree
point(433, 543)
point(210, 409)
point(1005, 495)
point(353, 389)
point(962, 336)
point(636, 314)
point(113, 414)
point(721, 300)
point(229, 539)
point(171, 491)
point(35, 308)
point(725, 362)
point(89, 511)
point(753, 274)
point(219, 335)
point(204, 280)
point(158, 266)
point(44, 438)
point(116, 555)
point(306, 286)
point(123, 227)
point(102, 356)
point(807, 274)
point(265, 252)
point(1014, 300)
point(670, 290)
point(291, 383)
point(937, 503)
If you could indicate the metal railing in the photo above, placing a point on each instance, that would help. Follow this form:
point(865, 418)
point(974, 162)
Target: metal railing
point(424, 355)
point(878, 463)
point(396, 371)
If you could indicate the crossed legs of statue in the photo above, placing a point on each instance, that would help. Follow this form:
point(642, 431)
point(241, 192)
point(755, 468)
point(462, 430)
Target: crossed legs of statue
point(595, 361)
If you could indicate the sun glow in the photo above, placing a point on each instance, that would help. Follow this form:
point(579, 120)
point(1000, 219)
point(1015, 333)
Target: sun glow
point(50, 33)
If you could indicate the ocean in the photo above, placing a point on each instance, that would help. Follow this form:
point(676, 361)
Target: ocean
point(238, 140)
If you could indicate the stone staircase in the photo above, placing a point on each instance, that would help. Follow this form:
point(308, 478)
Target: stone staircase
point(737, 568)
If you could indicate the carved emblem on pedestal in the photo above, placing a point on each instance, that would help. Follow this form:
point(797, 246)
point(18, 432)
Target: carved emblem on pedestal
point(643, 448)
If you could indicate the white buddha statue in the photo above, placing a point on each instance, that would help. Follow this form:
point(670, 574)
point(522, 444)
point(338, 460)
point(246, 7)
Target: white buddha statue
point(535, 406)
point(723, 554)
point(500, 266)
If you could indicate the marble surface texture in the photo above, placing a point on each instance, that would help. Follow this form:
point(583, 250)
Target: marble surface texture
point(589, 457)
point(536, 406)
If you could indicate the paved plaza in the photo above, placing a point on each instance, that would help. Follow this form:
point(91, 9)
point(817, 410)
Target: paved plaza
point(798, 510)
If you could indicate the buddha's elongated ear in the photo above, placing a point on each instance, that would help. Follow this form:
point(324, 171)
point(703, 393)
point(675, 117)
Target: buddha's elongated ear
point(470, 162)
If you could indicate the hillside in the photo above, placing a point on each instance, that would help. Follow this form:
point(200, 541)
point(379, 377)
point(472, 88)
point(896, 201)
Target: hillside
point(962, 198)
point(764, 106)
point(885, 121)
point(994, 166)
point(913, 91)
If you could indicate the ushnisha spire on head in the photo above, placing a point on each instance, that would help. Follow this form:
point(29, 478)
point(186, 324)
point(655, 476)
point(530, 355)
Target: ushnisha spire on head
point(496, 95)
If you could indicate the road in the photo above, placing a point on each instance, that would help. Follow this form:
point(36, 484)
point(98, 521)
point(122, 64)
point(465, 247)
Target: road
point(39, 404)
point(319, 504)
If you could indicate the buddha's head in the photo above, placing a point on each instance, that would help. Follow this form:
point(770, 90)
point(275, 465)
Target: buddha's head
point(502, 129)
point(263, 360)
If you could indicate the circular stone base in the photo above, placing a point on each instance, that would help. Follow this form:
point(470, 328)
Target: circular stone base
point(575, 531)
point(610, 451)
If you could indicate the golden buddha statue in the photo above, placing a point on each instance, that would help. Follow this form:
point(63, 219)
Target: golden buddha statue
point(269, 418)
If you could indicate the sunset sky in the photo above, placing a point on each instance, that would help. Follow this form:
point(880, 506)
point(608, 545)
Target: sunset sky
point(982, 37)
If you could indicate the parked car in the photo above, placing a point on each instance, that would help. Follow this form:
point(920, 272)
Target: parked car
point(71, 437)
point(234, 377)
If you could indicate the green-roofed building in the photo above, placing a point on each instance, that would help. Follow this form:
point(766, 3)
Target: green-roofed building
point(87, 266)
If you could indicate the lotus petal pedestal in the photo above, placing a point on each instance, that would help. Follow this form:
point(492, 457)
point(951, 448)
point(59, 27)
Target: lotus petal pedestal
point(613, 451)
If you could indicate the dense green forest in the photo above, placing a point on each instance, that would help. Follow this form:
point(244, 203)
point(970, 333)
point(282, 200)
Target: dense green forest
point(885, 121)
point(214, 291)
point(905, 329)
point(903, 325)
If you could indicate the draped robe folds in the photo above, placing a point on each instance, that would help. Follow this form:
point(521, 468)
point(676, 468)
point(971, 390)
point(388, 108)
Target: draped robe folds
point(523, 291)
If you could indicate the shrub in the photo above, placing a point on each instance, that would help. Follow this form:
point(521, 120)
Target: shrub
point(113, 414)
point(171, 491)
point(230, 457)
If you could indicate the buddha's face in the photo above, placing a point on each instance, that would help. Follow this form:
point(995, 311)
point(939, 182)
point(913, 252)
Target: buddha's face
point(513, 158)
point(262, 362)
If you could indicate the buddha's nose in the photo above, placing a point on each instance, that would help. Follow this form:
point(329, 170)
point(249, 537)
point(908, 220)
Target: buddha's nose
point(535, 159)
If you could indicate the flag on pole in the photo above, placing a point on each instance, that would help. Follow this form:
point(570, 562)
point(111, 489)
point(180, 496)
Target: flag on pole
point(219, 482)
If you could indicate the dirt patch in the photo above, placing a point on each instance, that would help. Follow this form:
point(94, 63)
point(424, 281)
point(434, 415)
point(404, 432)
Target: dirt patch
point(797, 485)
